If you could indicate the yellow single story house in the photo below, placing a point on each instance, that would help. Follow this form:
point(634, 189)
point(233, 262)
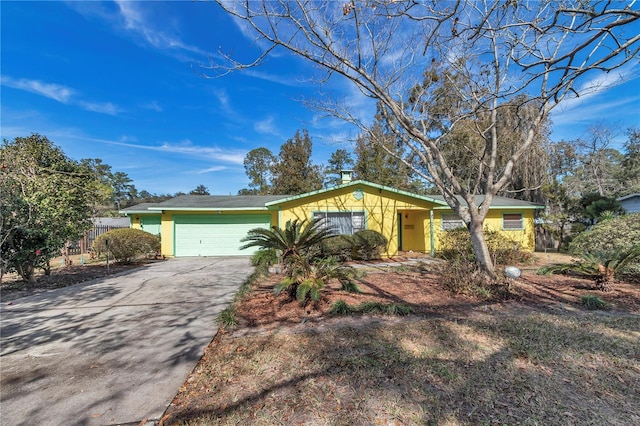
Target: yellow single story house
point(203, 225)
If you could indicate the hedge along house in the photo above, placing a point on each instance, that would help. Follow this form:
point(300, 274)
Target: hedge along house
point(202, 225)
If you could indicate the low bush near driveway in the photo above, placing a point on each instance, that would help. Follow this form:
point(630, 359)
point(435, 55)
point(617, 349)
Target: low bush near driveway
point(126, 244)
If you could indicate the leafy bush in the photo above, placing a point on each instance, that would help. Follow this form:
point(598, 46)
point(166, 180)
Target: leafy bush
point(126, 244)
point(264, 257)
point(464, 277)
point(368, 244)
point(338, 246)
point(456, 246)
point(618, 234)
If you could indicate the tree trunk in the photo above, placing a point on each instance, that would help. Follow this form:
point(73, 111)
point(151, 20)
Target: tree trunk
point(27, 272)
point(480, 248)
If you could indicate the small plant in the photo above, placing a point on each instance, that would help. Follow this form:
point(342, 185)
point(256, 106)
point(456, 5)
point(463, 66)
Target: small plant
point(368, 244)
point(456, 246)
point(126, 244)
point(227, 318)
point(593, 303)
point(264, 257)
point(602, 267)
point(338, 246)
point(342, 308)
point(349, 286)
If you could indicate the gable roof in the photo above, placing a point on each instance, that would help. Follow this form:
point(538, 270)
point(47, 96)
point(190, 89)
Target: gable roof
point(429, 198)
point(138, 208)
point(216, 202)
point(264, 202)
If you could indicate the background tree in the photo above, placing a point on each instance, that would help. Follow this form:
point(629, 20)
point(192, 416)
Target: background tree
point(294, 172)
point(124, 191)
point(45, 203)
point(493, 51)
point(257, 165)
point(103, 198)
point(340, 160)
point(200, 190)
point(599, 164)
point(630, 171)
point(379, 159)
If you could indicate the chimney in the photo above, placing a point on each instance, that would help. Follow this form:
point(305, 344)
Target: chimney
point(345, 176)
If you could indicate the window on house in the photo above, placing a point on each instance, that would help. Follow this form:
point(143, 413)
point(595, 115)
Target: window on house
point(342, 223)
point(451, 221)
point(512, 221)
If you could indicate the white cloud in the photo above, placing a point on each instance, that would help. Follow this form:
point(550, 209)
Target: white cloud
point(266, 127)
point(60, 93)
point(104, 108)
point(53, 91)
point(598, 85)
point(155, 106)
point(136, 21)
point(211, 170)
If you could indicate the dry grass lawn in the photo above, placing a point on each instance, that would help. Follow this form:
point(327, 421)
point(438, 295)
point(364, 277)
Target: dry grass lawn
point(536, 359)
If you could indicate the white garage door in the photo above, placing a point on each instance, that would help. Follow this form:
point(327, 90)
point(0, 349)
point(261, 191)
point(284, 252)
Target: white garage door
point(215, 235)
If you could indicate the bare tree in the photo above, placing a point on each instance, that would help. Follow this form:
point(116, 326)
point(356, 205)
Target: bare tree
point(487, 53)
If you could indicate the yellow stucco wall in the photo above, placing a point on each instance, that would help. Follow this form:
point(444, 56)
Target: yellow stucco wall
point(381, 208)
point(167, 227)
point(493, 221)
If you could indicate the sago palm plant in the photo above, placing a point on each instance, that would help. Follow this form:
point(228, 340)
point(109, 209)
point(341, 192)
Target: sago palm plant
point(601, 266)
point(297, 238)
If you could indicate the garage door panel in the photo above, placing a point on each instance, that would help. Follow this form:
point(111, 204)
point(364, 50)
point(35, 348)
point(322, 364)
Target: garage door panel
point(215, 235)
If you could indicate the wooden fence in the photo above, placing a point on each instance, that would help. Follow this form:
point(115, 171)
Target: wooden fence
point(83, 245)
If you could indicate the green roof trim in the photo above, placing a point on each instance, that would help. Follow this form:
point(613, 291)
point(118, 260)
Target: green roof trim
point(139, 209)
point(357, 183)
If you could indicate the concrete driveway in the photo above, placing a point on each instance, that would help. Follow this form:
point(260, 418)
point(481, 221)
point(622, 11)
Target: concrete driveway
point(113, 350)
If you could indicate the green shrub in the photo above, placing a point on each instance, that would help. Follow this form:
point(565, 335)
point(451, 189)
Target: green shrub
point(126, 244)
point(593, 303)
point(227, 317)
point(264, 257)
point(455, 245)
point(338, 246)
point(464, 277)
point(610, 237)
point(368, 244)
point(341, 307)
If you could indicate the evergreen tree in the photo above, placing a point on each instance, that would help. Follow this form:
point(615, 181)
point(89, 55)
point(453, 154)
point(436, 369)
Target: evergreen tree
point(294, 173)
point(340, 160)
point(200, 190)
point(257, 164)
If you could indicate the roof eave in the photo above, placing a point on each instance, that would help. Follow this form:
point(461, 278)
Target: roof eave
point(200, 209)
point(355, 183)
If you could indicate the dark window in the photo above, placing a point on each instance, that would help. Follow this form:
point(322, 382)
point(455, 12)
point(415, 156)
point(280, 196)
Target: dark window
point(342, 223)
point(512, 221)
point(451, 221)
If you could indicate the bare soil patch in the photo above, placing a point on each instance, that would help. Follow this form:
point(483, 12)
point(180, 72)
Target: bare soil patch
point(13, 287)
point(419, 287)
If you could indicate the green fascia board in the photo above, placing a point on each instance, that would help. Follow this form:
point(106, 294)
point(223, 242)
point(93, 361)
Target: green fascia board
point(356, 183)
point(209, 209)
point(493, 207)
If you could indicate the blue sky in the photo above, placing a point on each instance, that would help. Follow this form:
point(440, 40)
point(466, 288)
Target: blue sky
point(123, 82)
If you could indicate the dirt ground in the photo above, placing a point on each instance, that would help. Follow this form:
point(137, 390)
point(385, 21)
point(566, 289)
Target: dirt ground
point(12, 286)
point(419, 287)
